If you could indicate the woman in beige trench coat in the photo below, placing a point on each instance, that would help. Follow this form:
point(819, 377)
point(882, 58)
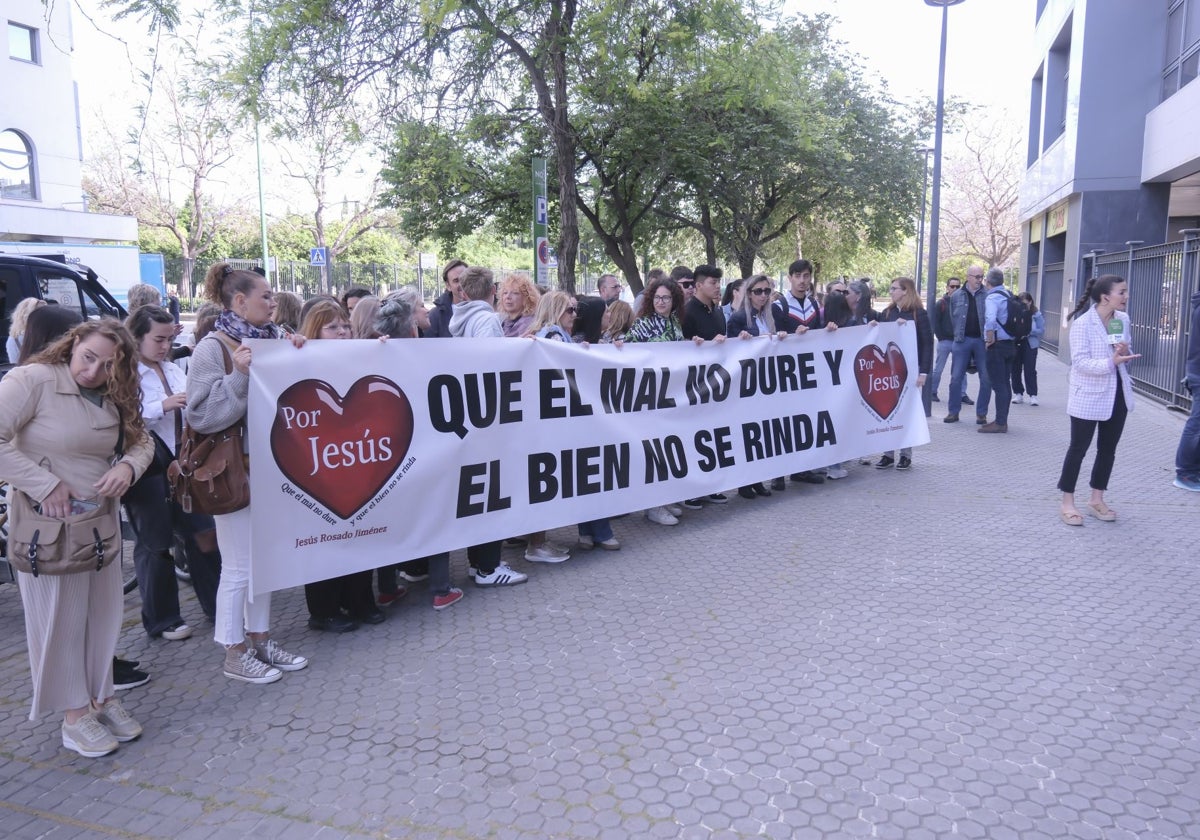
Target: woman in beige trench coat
point(59, 420)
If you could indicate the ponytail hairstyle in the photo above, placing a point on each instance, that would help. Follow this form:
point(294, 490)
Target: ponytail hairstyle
point(1096, 288)
point(223, 281)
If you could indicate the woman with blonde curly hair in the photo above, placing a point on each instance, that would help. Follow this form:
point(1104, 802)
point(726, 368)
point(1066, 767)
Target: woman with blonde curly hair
point(16, 329)
point(72, 440)
point(518, 299)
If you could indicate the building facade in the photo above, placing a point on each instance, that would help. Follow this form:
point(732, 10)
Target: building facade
point(41, 146)
point(1113, 148)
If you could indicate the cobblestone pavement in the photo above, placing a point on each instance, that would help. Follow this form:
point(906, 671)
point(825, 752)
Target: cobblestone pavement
point(930, 654)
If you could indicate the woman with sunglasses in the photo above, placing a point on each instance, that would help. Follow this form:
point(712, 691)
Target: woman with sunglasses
point(757, 317)
point(554, 317)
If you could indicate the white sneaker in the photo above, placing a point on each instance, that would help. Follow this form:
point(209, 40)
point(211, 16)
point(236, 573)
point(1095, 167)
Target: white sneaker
point(1018, 399)
point(836, 471)
point(1033, 400)
point(177, 632)
point(661, 516)
point(674, 510)
point(545, 554)
point(504, 575)
point(88, 737)
point(117, 721)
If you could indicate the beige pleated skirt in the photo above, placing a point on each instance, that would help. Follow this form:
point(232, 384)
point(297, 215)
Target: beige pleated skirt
point(71, 624)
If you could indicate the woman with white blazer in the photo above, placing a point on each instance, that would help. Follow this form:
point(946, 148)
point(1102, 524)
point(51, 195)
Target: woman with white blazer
point(1100, 393)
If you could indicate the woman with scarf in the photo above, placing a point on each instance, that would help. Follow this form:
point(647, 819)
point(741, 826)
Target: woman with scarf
point(216, 400)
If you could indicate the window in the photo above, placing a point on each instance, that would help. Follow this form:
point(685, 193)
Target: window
point(1183, 45)
point(16, 167)
point(1057, 86)
point(22, 43)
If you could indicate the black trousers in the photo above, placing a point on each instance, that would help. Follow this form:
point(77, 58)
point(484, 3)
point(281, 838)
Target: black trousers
point(159, 524)
point(353, 593)
point(1106, 446)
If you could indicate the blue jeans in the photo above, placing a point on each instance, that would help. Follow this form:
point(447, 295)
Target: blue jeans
point(964, 352)
point(1187, 457)
point(600, 530)
point(944, 346)
point(1000, 357)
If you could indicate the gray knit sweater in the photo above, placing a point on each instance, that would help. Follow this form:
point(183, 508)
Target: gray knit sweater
point(215, 400)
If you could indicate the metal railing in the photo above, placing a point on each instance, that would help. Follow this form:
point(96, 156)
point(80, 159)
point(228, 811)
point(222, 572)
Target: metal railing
point(307, 280)
point(1050, 292)
point(1162, 279)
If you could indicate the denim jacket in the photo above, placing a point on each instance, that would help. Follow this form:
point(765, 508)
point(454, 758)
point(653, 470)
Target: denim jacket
point(1037, 330)
point(958, 310)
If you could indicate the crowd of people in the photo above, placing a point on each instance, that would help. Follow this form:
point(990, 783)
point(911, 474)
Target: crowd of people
point(97, 408)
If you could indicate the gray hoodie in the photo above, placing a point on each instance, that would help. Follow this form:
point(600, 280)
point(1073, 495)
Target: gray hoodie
point(475, 319)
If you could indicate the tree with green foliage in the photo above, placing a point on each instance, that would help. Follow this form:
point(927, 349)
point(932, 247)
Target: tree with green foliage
point(787, 133)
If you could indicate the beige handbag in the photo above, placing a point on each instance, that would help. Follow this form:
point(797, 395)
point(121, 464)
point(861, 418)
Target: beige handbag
point(86, 541)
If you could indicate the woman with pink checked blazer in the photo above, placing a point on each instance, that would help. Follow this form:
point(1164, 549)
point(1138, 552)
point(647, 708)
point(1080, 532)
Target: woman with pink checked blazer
point(1100, 393)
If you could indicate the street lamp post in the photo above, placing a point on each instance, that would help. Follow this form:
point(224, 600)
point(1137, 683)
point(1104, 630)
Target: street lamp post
point(921, 225)
point(935, 199)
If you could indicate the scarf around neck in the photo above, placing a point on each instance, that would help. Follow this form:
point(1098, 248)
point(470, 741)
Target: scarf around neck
point(238, 328)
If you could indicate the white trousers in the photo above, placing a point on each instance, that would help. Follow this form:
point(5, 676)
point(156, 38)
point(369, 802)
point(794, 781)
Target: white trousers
point(237, 614)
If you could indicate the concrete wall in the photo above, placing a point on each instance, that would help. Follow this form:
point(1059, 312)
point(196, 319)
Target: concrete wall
point(39, 101)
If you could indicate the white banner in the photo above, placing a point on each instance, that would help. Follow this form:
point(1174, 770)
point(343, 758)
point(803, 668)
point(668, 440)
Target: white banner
point(365, 453)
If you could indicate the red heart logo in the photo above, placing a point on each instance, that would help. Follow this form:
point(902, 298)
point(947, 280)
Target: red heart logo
point(341, 451)
point(881, 377)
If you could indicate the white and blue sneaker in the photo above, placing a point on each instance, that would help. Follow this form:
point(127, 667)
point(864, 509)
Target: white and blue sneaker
point(504, 575)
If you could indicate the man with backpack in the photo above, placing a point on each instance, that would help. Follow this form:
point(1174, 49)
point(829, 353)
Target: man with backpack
point(1005, 320)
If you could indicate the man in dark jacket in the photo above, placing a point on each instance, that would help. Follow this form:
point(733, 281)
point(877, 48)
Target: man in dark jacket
point(943, 330)
point(1187, 457)
point(443, 311)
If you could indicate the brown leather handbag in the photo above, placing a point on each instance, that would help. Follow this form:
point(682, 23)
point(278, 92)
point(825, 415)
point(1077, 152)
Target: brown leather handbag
point(211, 474)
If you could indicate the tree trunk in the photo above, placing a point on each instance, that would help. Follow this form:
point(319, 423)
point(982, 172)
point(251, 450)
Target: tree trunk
point(185, 277)
point(746, 263)
point(564, 143)
point(710, 235)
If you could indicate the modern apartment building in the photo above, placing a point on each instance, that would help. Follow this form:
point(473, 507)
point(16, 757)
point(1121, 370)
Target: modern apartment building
point(1113, 174)
point(41, 148)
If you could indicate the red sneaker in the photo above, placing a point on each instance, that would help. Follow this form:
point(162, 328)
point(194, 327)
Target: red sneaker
point(387, 598)
point(440, 602)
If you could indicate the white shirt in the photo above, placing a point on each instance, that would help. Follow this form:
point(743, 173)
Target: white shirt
point(153, 395)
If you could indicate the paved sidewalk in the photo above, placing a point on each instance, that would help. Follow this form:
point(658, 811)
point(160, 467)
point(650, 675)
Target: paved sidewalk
point(930, 654)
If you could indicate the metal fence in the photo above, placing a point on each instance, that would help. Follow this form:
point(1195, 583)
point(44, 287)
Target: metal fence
point(1162, 279)
point(1050, 291)
point(308, 280)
